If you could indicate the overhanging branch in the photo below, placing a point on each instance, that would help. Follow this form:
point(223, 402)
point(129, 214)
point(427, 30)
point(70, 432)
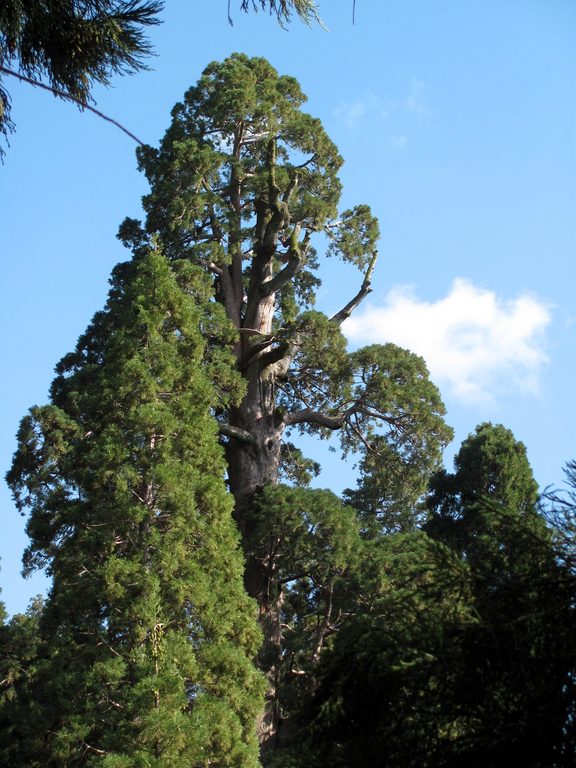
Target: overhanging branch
point(68, 97)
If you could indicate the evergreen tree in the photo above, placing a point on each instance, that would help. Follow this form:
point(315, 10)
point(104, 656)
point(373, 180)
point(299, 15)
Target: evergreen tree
point(19, 640)
point(512, 686)
point(147, 638)
point(242, 185)
point(456, 648)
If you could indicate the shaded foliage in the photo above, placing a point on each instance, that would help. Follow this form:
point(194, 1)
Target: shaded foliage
point(458, 646)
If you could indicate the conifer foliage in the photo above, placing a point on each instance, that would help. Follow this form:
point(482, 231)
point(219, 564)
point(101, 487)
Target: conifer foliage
point(394, 628)
point(245, 185)
point(147, 638)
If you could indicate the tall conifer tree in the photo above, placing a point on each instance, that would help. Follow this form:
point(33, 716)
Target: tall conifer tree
point(244, 184)
point(147, 638)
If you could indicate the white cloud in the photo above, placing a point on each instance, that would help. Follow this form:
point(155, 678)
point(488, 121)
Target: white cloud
point(399, 142)
point(368, 105)
point(416, 100)
point(350, 112)
point(474, 342)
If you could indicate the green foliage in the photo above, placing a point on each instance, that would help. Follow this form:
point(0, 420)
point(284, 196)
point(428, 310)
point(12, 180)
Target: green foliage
point(19, 639)
point(492, 492)
point(283, 9)
point(518, 664)
point(147, 635)
point(314, 533)
point(380, 694)
point(73, 45)
point(456, 648)
point(354, 236)
point(398, 431)
point(245, 186)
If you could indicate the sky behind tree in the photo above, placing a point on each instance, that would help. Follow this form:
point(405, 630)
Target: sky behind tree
point(457, 123)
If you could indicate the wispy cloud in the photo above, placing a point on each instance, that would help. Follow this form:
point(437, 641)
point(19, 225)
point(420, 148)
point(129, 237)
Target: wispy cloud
point(399, 142)
point(375, 108)
point(369, 105)
point(477, 344)
point(416, 102)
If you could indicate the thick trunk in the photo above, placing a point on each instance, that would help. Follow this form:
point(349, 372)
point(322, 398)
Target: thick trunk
point(253, 454)
point(251, 466)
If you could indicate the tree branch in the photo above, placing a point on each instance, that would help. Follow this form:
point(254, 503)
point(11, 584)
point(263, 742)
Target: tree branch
point(365, 289)
point(308, 416)
point(228, 430)
point(295, 262)
point(69, 97)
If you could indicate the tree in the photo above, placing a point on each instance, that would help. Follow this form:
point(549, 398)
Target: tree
point(513, 688)
point(458, 648)
point(243, 184)
point(147, 638)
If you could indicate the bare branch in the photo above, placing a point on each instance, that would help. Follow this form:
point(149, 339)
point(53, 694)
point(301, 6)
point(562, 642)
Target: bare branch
point(365, 289)
point(255, 332)
point(69, 97)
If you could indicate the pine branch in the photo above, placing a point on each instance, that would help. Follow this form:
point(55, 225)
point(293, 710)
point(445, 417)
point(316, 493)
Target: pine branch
point(68, 97)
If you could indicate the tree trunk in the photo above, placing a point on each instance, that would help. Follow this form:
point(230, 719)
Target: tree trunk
point(252, 465)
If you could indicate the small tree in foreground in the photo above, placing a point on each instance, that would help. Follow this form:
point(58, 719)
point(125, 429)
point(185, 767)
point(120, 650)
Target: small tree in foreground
point(147, 637)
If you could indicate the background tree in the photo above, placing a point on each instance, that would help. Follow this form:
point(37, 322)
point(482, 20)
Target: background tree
point(559, 509)
point(512, 691)
point(456, 647)
point(147, 638)
point(242, 184)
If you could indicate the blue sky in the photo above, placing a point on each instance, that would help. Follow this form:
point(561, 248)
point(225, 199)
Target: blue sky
point(457, 123)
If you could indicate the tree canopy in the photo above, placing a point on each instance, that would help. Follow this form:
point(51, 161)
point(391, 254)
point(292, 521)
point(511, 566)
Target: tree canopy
point(147, 637)
point(245, 185)
point(423, 619)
